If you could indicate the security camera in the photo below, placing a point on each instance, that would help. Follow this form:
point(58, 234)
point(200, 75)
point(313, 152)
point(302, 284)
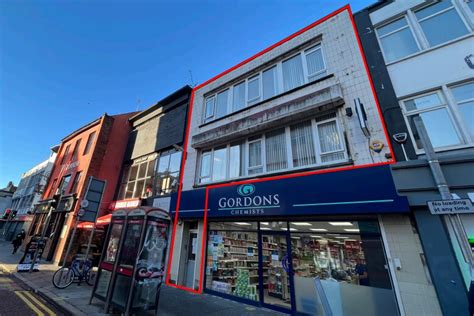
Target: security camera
point(400, 138)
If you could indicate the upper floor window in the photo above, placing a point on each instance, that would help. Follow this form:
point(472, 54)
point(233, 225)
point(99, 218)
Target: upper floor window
point(397, 40)
point(429, 26)
point(63, 184)
point(464, 97)
point(167, 176)
point(75, 184)
point(440, 22)
point(90, 140)
point(448, 122)
point(311, 143)
point(138, 178)
point(306, 66)
point(76, 149)
point(66, 152)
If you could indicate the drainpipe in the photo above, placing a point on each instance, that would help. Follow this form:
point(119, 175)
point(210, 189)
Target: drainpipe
point(453, 219)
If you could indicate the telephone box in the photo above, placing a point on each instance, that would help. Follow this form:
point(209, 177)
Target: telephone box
point(135, 263)
point(108, 259)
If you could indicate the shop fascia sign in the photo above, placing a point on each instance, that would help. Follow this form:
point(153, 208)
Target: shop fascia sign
point(131, 203)
point(248, 202)
point(458, 206)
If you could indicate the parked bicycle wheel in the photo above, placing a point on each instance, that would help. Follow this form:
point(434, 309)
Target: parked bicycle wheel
point(90, 277)
point(63, 277)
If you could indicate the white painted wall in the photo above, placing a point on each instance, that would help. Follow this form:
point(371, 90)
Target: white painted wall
point(431, 69)
point(342, 58)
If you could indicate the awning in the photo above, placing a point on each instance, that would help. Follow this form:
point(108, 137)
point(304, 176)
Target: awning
point(101, 221)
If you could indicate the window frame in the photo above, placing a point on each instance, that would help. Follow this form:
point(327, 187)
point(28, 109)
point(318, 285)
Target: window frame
point(166, 153)
point(65, 154)
point(469, 135)
point(258, 75)
point(409, 26)
point(75, 151)
point(90, 140)
point(245, 143)
point(210, 117)
point(75, 182)
point(68, 176)
point(308, 51)
point(422, 33)
point(451, 109)
point(417, 31)
point(138, 163)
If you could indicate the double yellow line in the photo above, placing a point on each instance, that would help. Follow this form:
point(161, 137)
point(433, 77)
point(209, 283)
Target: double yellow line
point(36, 305)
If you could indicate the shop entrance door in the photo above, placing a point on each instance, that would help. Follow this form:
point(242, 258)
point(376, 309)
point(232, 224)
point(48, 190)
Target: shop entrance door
point(276, 282)
point(191, 258)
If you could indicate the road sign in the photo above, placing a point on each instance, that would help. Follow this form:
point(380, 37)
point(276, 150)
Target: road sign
point(460, 206)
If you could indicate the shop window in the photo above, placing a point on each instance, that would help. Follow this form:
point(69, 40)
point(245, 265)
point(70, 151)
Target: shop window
point(90, 140)
point(397, 40)
point(232, 260)
point(326, 257)
point(167, 176)
point(351, 254)
point(441, 22)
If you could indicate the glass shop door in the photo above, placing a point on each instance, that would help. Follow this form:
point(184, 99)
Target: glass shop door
point(276, 279)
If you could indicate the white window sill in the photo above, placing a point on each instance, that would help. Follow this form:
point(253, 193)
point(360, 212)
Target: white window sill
point(420, 152)
point(329, 165)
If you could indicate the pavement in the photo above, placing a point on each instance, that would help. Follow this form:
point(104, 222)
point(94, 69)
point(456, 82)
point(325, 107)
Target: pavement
point(74, 300)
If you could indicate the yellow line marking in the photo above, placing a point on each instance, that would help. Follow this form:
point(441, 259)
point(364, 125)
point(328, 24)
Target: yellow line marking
point(39, 303)
point(30, 305)
point(5, 281)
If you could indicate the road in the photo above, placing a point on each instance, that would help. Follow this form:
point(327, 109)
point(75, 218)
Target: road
point(17, 299)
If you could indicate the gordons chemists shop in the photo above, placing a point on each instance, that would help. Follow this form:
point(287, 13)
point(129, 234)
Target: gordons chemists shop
point(275, 242)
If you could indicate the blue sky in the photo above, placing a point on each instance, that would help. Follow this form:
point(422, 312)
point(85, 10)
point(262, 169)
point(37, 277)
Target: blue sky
point(65, 63)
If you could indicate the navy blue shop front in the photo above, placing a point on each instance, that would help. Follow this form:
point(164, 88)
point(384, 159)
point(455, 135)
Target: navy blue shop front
point(358, 191)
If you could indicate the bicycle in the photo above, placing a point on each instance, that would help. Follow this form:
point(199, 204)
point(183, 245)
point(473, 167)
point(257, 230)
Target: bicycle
point(79, 270)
